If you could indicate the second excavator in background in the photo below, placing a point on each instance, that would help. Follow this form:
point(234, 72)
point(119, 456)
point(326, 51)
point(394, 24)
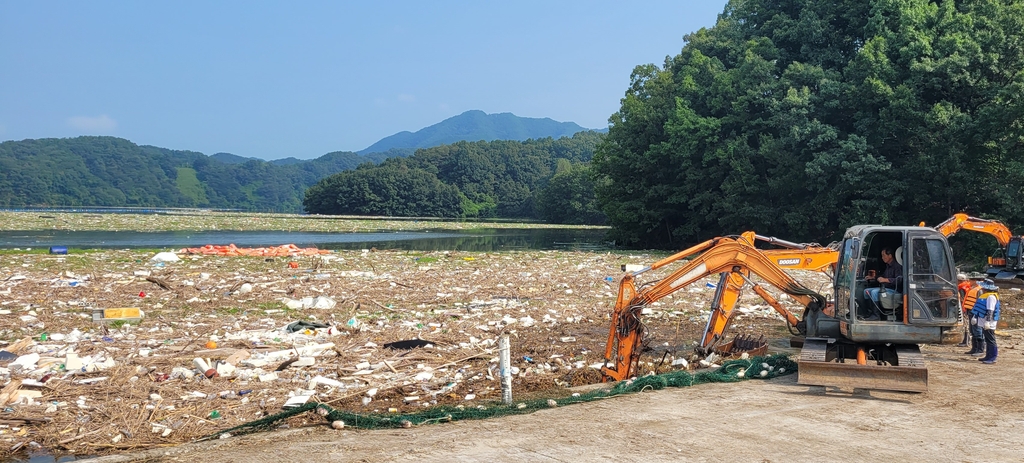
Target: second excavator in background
point(1006, 264)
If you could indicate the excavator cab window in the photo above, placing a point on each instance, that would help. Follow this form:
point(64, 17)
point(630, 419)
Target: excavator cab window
point(932, 289)
point(871, 266)
point(845, 275)
point(872, 255)
point(1013, 250)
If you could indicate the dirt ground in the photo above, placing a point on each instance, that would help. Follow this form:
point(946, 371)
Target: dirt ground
point(143, 399)
point(971, 413)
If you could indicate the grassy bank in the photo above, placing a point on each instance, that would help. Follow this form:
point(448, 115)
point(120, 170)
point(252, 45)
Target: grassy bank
point(240, 221)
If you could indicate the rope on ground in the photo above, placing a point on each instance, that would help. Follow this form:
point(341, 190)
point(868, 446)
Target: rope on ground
point(760, 367)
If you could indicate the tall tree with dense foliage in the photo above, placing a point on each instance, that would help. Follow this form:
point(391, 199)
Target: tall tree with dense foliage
point(391, 190)
point(801, 118)
point(569, 197)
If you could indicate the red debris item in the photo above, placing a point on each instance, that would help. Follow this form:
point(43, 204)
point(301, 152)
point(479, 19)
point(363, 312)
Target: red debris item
point(284, 250)
point(161, 377)
point(293, 265)
point(142, 294)
point(212, 373)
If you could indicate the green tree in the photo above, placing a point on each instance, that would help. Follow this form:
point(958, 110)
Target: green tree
point(569, 198)
point(390, 190)
point(800, 119)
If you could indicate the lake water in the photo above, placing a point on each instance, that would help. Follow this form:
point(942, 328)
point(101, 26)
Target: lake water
point(487, 239)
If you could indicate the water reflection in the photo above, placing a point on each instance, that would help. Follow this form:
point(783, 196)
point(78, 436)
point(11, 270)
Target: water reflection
point(481, 240)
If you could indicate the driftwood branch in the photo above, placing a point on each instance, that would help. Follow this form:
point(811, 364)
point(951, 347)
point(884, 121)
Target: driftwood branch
point(159, 282)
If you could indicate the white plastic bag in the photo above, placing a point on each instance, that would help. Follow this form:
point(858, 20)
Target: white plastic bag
point(165, 257)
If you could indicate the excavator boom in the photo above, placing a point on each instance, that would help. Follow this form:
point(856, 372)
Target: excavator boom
point(961, 221)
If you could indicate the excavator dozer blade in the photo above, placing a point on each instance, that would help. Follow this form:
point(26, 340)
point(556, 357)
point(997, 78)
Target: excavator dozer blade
point(909, 376)
point(1006, 275)
point(1009, 280)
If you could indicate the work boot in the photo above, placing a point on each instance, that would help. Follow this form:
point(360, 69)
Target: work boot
point(991, 352)
point(977, 347)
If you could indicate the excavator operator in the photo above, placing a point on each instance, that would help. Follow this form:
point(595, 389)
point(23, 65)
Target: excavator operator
point(890, 280)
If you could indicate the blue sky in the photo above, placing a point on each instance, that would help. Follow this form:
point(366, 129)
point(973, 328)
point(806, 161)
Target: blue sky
point(279, 79)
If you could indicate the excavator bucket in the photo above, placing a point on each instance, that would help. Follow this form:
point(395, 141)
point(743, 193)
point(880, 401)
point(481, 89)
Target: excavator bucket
point(743, 344)
point(816, 369)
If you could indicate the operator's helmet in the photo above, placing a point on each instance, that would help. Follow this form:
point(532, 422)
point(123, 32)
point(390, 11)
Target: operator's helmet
point(961, 277)
point(989, 285)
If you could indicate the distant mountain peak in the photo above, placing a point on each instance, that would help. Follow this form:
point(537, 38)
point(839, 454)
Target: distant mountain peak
point(228, 158)
point(476, 125)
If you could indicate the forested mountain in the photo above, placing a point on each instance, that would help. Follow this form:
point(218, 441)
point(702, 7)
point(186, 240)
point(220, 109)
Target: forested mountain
point(228, 158)
point(800, 119)
point(476, 126)
point(544, 178)
point(498, 177)
point(108, 171)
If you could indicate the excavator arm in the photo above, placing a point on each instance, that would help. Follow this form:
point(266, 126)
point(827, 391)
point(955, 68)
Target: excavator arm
point(734, 256)
point(960, 221)
point(796, 257)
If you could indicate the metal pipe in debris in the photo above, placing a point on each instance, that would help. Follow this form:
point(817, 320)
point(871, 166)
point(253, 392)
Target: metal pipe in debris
point(505, 368)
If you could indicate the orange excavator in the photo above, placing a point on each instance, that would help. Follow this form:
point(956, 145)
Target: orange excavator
point(1006, 265)
point(839, 348)
point(817, 258)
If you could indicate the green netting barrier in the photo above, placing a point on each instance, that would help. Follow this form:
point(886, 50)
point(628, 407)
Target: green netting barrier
point(759, 367)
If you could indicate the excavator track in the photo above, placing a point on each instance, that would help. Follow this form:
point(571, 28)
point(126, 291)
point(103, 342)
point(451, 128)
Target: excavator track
point(817, 367)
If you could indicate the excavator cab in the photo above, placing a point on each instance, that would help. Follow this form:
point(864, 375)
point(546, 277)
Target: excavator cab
point(1014, 259)
point(1008, 264)
point(924, 308)
point(924, 304)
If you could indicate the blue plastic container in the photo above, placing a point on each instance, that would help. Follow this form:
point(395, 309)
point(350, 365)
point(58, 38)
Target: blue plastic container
point(58, 249)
